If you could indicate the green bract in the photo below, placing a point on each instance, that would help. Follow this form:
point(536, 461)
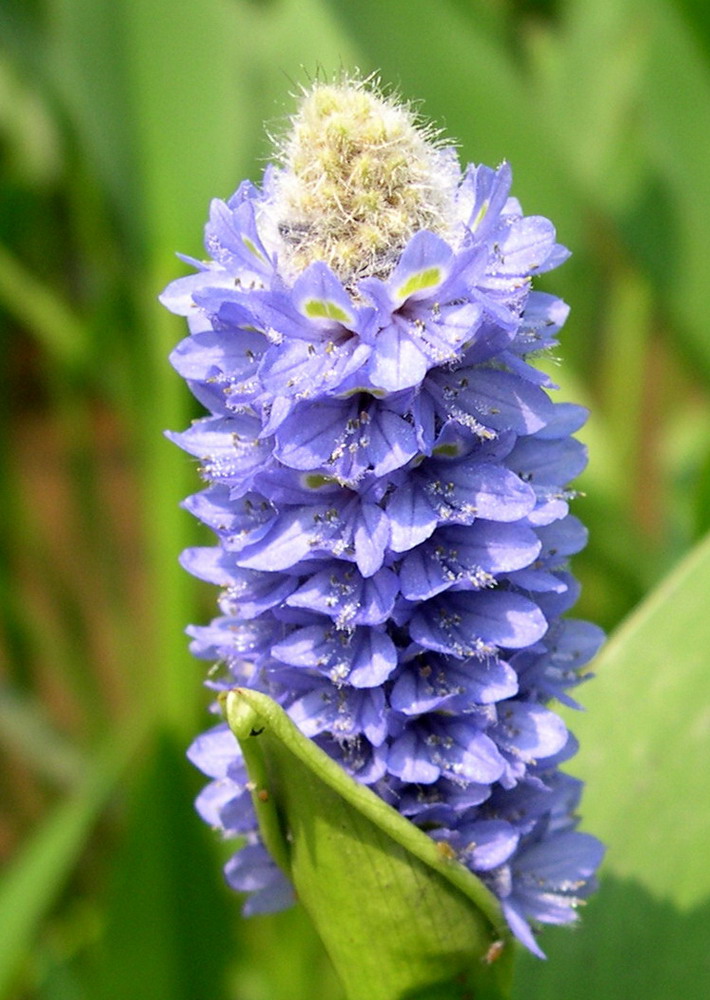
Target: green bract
point(399, 917)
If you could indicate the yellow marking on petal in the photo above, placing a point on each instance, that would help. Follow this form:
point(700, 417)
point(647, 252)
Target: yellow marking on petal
point(482, 213)
point(314, 481)
point(428, 278)
point(448, 450)
point(253, 249)
point(326, 309)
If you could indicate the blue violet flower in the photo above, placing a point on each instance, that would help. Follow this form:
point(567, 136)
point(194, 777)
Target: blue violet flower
point(387, 477)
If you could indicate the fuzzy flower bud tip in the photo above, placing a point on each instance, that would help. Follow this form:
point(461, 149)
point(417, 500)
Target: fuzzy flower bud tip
point(359, 179)
point(388, 480)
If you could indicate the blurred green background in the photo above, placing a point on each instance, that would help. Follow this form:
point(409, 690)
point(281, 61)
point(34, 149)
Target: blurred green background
point(119, 120)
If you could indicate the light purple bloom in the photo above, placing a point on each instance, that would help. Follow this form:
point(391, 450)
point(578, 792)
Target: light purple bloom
point(387, 479)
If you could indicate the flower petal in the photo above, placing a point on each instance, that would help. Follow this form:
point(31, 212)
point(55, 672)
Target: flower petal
point(464, 624)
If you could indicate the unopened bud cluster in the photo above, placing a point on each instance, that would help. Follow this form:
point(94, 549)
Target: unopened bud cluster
point(358, 180)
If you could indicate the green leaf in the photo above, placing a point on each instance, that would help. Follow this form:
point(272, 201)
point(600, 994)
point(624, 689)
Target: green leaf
point(645, 737)
point(630, 944)
point(645, 742)
point(400, 919)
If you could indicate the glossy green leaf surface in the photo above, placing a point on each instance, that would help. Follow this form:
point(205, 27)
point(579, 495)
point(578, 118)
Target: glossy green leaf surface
point(398, 917)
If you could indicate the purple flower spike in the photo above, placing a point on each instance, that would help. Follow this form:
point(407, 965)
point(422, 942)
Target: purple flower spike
point(388, 482)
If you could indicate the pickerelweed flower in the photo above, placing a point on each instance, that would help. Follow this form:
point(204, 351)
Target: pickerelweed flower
point(387, 480)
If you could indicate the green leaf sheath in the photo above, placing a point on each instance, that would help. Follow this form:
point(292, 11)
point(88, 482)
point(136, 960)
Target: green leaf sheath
point(398, 917)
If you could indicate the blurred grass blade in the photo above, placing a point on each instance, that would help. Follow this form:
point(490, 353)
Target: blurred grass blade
point(471, 86)
point(587, 71)
point(43, 313)
point(676, 122)
point(398, 917)
point(26, 728)
point(167, 928)
point(38, 873)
